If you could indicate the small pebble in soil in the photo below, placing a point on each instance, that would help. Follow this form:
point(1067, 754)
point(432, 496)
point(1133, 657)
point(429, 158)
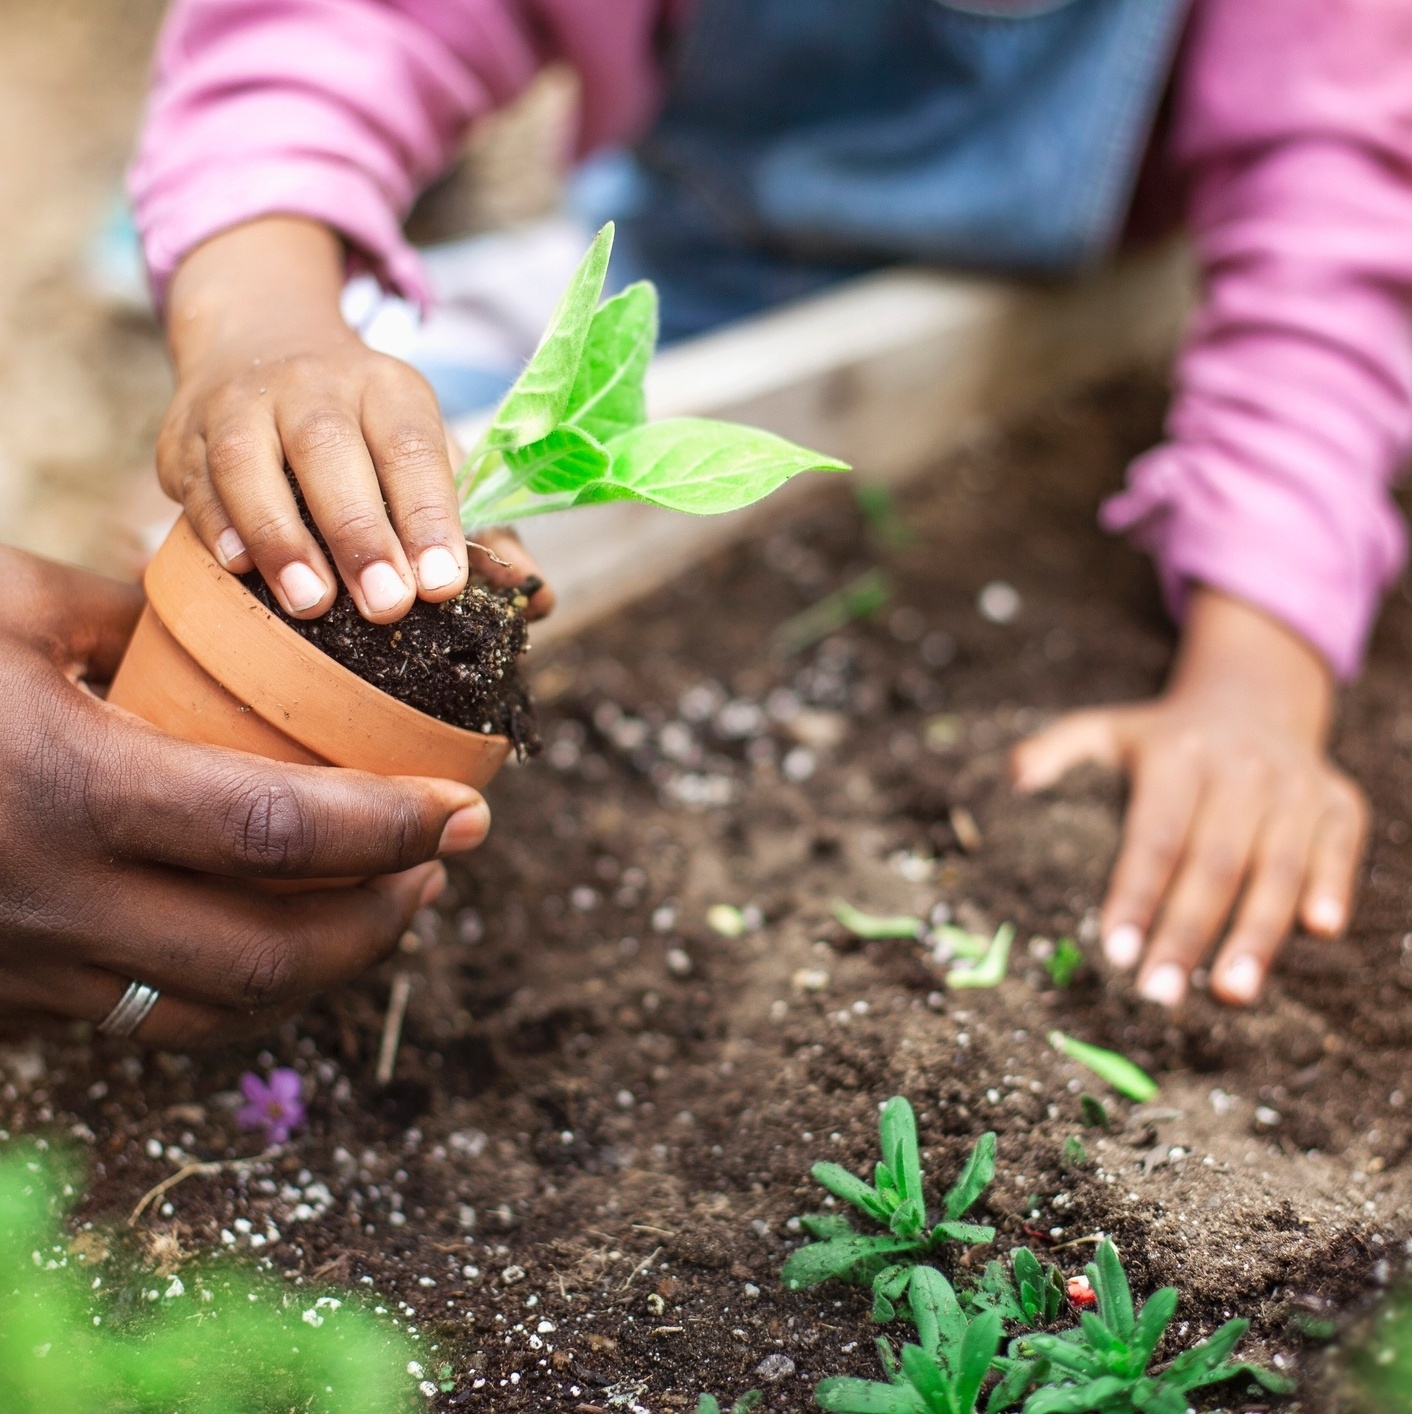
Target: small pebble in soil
point(774, 1368)
point(998, 602)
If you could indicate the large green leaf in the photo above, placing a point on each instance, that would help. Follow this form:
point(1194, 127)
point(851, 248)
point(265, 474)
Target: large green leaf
point(925, 1376)
point(1201, 1359)
point(851, 1189)
point(840, 1257)
point(1157, 1312)
point(1075, 1399)
point(826, 1225)
point(940, 1322)
point(845, 1395)
point(701, 466)
point(562, 461)
point(607, 397)
point(1110, 1283)
point(969, 1233)
point(975, 1178)
point(540, 396)
point(897, 1130)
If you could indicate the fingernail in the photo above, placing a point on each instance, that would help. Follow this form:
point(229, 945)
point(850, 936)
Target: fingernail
point(465, 829)
point(302, 587)
point(1123, 946)
point(382, 586)
point(434, 887)
point(1326, 915)
point(1241, 978)
point(437, 568)
point(229, 546)
point(1165, 985)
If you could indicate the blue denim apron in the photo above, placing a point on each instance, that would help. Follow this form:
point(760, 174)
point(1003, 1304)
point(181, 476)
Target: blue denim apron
point(806, 140)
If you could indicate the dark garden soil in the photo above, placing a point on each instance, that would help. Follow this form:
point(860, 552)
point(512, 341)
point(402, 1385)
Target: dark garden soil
point(458, 660)
point(578, 1187)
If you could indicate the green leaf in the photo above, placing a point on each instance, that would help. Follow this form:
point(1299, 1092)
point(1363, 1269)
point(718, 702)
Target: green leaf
point(700, 466)
point(925, 1376)
point(969, 1233)
point(1152, 1398)
point(607, 397)
point(1026, 1266)
point(845, 1395)
point(536, 403)
point(841, 1257)
point(826, 1225)
point(1208, 1354)
point(1125, 1077)
point(707, 1405)
point(978, 1349)
point(1102, 1341)
point(751, 1399)
point(1077, 1359)
point(995, 1292)
point(897, 1129)
point(1234, 1369)
point(889, 1286)
point(884, 1309)
point(1065, 962)
point(1110, 1283)
point(1153, 1320)
point(990, 970)
point(961, 943)
point(1016, 1378)
point(975, 1178)
point(940, 1322)
point(1074, 1399)
point(851, 1189)
point(1074, 1152)
point(855, 600)
point(1094, 1112)
point(869, 925)
point(562, 461)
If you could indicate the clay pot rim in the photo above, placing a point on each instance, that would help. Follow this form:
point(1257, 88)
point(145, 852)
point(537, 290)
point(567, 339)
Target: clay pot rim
point(206, 625)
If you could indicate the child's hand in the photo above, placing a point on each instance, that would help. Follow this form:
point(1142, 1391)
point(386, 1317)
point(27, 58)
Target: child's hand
point(268, 374)
point(1234, 805)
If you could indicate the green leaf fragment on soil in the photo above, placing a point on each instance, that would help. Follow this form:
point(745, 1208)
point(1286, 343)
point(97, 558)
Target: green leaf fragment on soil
point(870, 925)
point(1121, 1073)
point(990, 970)
point(858, 599)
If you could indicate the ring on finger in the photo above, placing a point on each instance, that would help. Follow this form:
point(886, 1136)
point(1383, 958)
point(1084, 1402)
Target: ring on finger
point(130, 1012)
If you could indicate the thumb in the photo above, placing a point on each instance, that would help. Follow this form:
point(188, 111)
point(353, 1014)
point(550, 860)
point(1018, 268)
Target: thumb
point(1077, 737)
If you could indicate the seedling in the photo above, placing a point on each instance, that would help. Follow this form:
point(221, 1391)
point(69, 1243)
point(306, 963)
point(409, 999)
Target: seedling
point(990, 970)
point(1103, 1364)
point(879, 509)
point(1074, 1152)
point(1094, 1112)
point(707, 1404)
point(1125, 1077)
point(941, 1374)
point(1030, 1293)
point(1066, 960)
point(896, 1200)
point(869, 925)
point(858, 599)
point(572, 431)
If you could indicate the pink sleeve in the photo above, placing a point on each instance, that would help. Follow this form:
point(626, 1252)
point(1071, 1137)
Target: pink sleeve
point(1292, 412)
point(343, 110)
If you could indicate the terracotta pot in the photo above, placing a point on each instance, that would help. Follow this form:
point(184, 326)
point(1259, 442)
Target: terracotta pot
point(210, 663)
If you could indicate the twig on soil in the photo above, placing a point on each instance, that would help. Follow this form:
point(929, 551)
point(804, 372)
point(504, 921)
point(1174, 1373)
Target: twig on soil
point(186, 1171)
point(641, 1267)
point(392, 1027)
point(647, 1227)
point(1079, 1242)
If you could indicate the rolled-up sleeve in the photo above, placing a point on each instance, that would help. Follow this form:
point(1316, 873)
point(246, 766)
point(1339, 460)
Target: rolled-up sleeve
point(343, 110)
point(1292, 408)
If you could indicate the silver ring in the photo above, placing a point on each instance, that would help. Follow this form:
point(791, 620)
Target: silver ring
point(131, 1010)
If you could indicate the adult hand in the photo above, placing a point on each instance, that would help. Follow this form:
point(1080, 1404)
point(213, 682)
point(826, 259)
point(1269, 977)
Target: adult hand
point(126, 854)
point(1235, 807)
point(269, 375)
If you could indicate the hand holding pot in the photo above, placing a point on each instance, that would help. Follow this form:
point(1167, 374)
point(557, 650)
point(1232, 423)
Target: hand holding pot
point(268, 374)
point(111, 833)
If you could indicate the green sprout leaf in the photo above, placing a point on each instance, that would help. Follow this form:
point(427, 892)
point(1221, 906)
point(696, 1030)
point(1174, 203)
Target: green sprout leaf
point(975, 1178)
point(869, 925)
point(1094, 1112)
point(990, 970)
point(1074, 1152)
point(1067, 959)
point(858, 599)
point(1125, 1077)
point(608, 397)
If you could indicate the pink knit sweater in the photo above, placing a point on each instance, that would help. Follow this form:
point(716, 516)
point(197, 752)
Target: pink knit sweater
point(1292, 133)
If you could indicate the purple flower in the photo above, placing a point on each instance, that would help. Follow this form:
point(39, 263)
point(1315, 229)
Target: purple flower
point(274, 1105)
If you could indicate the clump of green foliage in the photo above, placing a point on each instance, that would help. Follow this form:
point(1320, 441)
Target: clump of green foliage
point(708, 1403)
point(896, 1200)
point(1030, 1293)
point(216, 1341)
point(1064, 963)
point(941, 1374)
point(573, 430)
point(1103, 1365)
point(1381, 1365)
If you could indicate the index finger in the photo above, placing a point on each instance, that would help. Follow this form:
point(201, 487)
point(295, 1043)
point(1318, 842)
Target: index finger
point(154, 798)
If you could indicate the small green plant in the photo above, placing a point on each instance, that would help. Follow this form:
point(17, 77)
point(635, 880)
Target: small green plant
point(941, 1374)
point(1030, 1293)
point(1094, 1113)
point(1074, 1152)
point(1065, 961)
point(885, 522)
point(989, 970)
point(573, 430)
point(210, 1340)
point(708, 1404)
point(1125, 1077)
point(1103, 1365)
point(858, 599)
point(896, 1200)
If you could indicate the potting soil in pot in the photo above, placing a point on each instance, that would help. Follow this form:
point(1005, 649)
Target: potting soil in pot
point(457, 661)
